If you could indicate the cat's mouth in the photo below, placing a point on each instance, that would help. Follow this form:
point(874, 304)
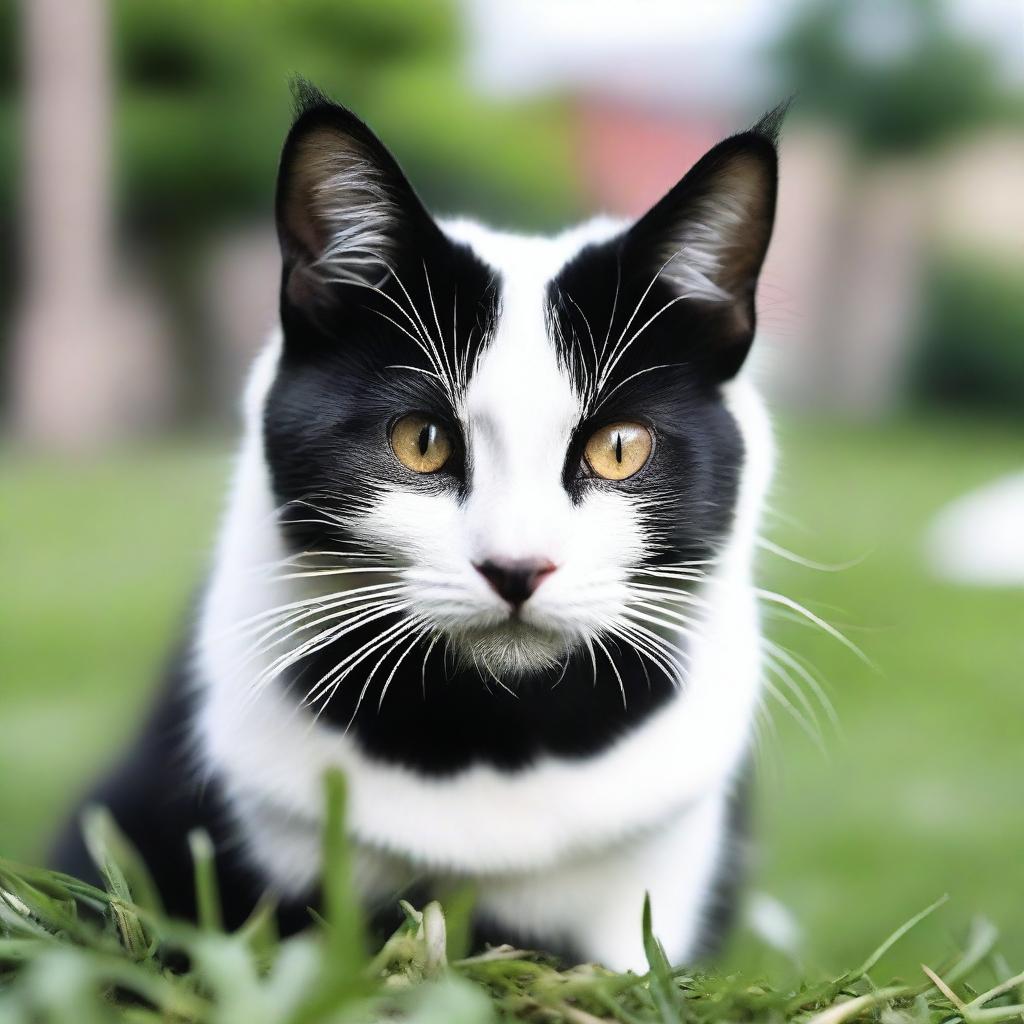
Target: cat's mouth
point(514, 644)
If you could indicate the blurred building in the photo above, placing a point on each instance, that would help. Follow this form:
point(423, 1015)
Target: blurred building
point(130, 322)
point(655, 86)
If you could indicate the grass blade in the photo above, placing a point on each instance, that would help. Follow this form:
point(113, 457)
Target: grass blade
point(208, 908)
point(660, 981)
point(866, 967)
point(344, 935)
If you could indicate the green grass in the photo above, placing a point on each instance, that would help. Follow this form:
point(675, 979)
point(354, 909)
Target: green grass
point(100, 560)
point(921, 795)
point(70, 953)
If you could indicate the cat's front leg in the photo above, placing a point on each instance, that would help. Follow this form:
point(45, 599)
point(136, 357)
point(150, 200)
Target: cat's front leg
point(591, 908)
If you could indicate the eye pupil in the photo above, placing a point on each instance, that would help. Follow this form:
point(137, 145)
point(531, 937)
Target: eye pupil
point(420, 443)
point(619, 450)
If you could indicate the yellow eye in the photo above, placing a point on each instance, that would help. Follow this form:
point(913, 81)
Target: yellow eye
point(420, 444)
point(619, 450)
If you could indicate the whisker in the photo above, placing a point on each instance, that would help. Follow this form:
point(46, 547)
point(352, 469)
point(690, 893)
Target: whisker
point(565, 668)
point(631, 377)
point(342, 571)
point(437, 323)
point(670, 593)
point(794, 713)
point(636, 309)
point(807, 563)
point(325, 687)
point(808, 677)
point(617, 357)
point(791, 686)
point(795, 606)
point(399, 633)
point(666, 650)
point(490, 672)
point(630, 633)
point(421, 632)
point(593, 658)
point(437, 636)
point(611, 661)
point(316, 602)
point(350, 606)
point(672, 627)
point(322, 640)
point(615, 304)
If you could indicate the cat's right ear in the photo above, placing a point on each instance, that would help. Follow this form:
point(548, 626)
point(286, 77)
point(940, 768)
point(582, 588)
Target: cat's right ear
point(345, 211)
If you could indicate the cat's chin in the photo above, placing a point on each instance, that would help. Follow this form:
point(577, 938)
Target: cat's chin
point(511, 648)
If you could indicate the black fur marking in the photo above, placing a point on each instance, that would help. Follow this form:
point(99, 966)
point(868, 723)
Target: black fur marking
point(723, 903)
point(661, 383)
point(358, 352)
point(462, 717)
point(343, 380)
point(156, 799)
point(598, 301)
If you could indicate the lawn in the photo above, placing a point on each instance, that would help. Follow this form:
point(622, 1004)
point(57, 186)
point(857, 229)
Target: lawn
point(919, 793)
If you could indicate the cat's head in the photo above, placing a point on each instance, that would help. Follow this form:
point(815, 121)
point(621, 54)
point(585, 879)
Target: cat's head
point(509, 438)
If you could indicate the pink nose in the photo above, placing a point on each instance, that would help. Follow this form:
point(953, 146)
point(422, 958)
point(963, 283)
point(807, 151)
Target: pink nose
point(515, 579)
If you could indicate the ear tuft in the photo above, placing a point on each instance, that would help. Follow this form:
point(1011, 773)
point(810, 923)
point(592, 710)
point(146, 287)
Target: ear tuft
point(305, 96)
point(769, 125)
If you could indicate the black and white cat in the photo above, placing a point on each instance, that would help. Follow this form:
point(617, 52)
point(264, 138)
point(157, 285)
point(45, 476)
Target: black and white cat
point(489, 551)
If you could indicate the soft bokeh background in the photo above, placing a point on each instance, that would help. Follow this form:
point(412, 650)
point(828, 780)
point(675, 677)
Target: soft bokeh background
point(138, 143)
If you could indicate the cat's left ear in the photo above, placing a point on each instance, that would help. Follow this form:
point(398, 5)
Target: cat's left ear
point(346, 213)
point(709, 234)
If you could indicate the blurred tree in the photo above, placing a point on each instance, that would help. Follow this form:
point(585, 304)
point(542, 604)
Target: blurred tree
point(895, 76)
point(9, 131)
point(201, 106)
point(971, 342)
point(204, 105)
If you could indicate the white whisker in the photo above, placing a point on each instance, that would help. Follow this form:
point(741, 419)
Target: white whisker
point(420, 633)
point(795, 606)
point(611, 662)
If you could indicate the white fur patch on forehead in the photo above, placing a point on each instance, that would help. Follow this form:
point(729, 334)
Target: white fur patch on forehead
point(543, 256)
point(519, 371)
point(520, 406)
point(519, 383)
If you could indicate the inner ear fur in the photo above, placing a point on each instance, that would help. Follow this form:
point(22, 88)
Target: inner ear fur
point(332, 183)
point(345, 210)
point(708, 236)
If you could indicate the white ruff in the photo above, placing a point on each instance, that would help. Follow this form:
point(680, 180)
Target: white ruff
point(566, 846)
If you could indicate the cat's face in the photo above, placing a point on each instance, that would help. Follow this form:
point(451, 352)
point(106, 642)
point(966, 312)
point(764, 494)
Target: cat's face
point(506, 442)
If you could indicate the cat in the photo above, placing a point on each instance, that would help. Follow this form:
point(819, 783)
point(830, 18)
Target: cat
point(489, 551)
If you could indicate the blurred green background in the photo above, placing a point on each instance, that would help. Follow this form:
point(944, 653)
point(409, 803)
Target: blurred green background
point(892, 344)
